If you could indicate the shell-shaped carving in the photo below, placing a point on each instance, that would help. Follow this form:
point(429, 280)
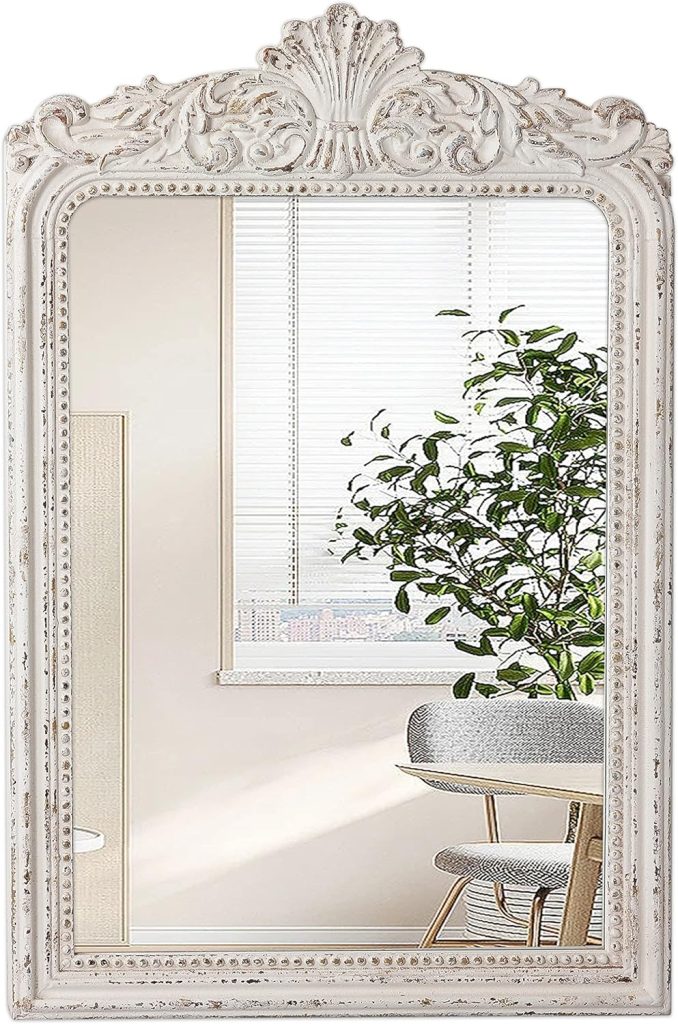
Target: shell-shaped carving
point(342, 63)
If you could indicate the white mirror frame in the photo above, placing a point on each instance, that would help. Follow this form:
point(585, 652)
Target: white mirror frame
point(339, 108)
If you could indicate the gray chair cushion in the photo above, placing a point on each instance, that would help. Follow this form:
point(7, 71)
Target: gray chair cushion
point(515, 729)
point(533, 864)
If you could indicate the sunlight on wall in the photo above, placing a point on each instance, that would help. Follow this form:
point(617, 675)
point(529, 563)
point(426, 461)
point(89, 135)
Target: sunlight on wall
point(237, 820)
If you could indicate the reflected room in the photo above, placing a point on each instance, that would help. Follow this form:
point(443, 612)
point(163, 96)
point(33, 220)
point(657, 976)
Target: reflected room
point(338, 475)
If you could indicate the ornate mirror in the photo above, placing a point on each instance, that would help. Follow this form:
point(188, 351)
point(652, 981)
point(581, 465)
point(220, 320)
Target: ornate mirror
point(338, 476)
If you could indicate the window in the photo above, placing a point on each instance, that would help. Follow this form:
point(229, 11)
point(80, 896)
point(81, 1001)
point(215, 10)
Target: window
point(328, 332)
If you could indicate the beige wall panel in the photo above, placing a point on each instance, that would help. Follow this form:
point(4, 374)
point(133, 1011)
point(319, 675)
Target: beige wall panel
point(98, 514)
point(145, 340)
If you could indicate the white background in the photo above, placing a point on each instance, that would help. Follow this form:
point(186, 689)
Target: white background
point(595, 49)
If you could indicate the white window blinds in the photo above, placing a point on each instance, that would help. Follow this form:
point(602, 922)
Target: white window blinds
point(334, 320)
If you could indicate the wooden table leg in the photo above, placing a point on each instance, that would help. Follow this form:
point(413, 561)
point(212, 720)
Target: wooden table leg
point(584, 877)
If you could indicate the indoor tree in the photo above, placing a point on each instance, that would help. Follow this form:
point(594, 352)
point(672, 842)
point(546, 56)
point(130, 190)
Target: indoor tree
point(506, 520)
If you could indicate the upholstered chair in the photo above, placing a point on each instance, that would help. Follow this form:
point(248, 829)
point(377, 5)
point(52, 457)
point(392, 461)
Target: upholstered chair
point(505, 730)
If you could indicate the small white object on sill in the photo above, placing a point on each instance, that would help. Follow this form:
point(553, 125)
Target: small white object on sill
point(85, 840)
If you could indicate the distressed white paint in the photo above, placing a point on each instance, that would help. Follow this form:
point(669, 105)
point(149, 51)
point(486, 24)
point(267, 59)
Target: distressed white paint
point(398, 131)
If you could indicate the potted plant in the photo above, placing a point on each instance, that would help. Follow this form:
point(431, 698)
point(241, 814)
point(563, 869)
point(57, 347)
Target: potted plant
point(507, 523)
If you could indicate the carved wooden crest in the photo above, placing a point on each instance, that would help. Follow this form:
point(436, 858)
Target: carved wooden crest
point(339, 96)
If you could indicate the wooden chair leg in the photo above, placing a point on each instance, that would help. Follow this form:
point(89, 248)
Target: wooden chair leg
point(503, 908)
point(536, 914)
point(443, 912)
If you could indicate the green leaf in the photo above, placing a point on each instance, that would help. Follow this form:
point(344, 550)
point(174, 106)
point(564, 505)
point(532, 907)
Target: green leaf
point(586, 683)
point(594, 439)
point(364, 536)
point(444, 417)
point(561, 426)
point(512, 496)
point(405, 575)
point(529, 605)
point(564, 691)
point(437, 616)
point(511, 400)
point(551, 661)
point(565, 665)
point(579, 491)
point(592, 561)
point(544, 332)
point(547, 468)
point(531, 503)
point(486, 645)
point(430, 448)
point(480, 378)
point(467, 648)
point(596, 606)
point(394, 473)
point(513, 447)
point(408, 556)
point(502, 367)
point(566, 344)
point(486, 689)
point(463, 686)
point(346, 441)
point(532, 414)
point(402, 601)
point(515, 673)
point(420, 477)
point(518, 626)
point(507, 312)
point(386, 431)
point(431, 588)
point(593, 663)
point(401, 516)
point(510, 338)
point(587, 640)
point(453, 312)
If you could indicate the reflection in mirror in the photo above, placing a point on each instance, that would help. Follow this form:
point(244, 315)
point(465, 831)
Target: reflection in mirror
point(310, 445)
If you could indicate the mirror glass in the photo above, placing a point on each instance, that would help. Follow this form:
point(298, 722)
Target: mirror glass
point(331, 459)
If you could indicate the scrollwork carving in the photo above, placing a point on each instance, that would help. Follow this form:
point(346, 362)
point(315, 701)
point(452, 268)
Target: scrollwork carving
point(340, 96)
